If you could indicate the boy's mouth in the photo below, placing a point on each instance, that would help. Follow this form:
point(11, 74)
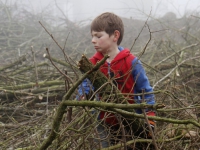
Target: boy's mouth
point(96, 47)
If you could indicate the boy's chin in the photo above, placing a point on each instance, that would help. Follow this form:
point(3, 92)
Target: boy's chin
point(99, 50)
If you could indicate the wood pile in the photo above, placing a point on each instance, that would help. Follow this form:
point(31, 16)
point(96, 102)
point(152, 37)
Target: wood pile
point(34, 86)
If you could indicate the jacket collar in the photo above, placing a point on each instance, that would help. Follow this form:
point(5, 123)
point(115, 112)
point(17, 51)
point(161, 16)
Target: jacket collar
point(121, 55)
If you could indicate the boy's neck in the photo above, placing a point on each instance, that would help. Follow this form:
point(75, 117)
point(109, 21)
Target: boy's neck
point(113, 53)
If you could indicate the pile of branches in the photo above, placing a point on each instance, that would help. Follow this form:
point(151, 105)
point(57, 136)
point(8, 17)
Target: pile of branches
point(38, 109)
point(36, 101)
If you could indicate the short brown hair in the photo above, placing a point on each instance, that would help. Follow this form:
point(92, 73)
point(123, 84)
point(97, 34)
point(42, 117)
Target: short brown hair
point(108, 22)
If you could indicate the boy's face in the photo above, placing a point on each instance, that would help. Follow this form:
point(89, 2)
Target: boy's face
point(103, 42)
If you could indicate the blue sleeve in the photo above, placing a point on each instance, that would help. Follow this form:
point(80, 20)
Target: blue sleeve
point(141, 83)
point(84, 88)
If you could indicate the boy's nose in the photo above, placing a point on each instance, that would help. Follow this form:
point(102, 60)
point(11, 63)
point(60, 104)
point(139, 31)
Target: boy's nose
point(93, 40)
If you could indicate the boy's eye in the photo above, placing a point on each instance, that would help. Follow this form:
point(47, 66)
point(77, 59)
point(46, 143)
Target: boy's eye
point(98, 35)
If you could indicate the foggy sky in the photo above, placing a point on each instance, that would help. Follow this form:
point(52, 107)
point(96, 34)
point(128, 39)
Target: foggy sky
point(78, 10)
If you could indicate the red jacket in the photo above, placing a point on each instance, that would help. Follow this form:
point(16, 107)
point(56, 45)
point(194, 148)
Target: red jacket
point(120, 69)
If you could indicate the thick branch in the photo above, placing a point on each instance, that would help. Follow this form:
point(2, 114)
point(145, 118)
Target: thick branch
point(162, 119)
point(105, 105)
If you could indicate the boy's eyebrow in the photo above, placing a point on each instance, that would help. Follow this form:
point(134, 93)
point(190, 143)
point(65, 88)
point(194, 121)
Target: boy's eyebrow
point(94, 33)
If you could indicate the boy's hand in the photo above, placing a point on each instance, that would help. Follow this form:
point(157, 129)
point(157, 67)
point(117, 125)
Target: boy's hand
point(151, 113)
point(151, 123)
point(147, 130)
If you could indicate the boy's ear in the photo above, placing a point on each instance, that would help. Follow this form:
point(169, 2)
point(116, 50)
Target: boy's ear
point(116, 35)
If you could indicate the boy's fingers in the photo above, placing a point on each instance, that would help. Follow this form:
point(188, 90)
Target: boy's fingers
point(151, 122)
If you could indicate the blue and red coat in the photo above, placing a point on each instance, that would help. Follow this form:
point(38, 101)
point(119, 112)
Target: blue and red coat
point(129, 76)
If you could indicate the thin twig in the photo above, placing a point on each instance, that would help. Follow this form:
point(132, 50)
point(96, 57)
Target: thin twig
point(57, 67)
point(66, 57)
point(35, 64)
point(149, 126)
point(146, 43)
point(140, 31)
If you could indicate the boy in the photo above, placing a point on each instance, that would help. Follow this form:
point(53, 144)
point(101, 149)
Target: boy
point(122, 67)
